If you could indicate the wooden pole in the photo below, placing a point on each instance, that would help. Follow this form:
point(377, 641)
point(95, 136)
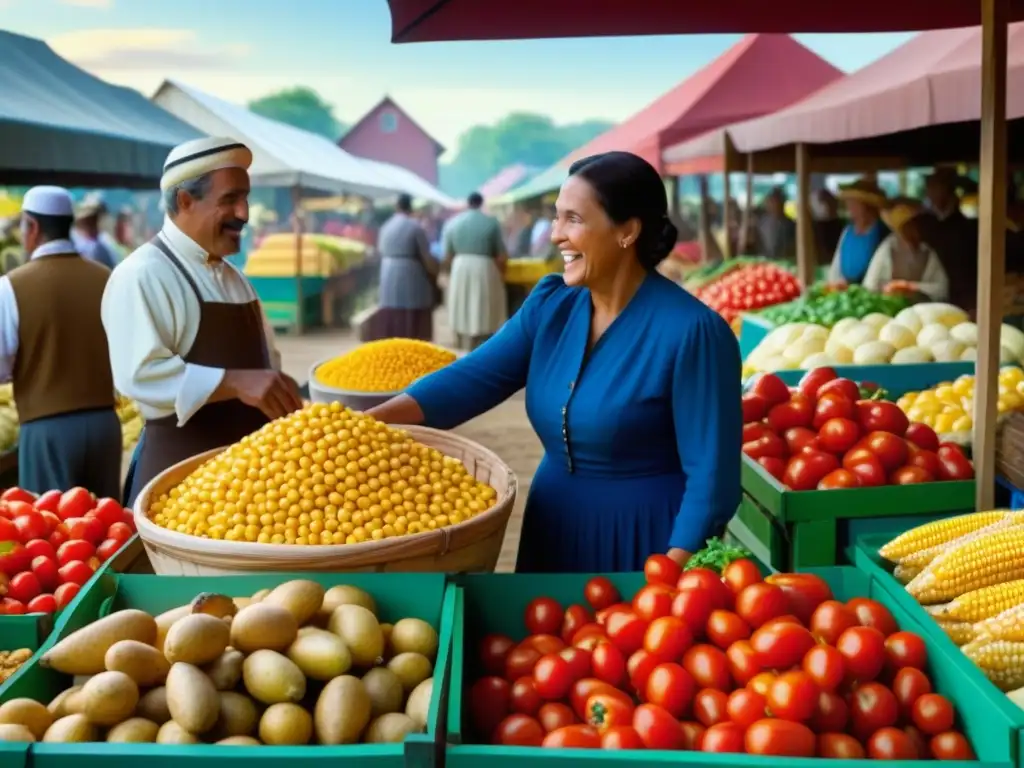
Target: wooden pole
point(804, 223)
point(991, 242)
point(673, 203)
point(728, 166)
point(748, 209)
point(704, 220)
point(297, 228)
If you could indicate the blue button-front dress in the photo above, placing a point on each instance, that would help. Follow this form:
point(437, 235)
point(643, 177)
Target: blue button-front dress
point(641, 435)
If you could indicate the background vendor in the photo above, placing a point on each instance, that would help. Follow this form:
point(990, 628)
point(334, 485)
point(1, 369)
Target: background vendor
point(904, 263)
point(860, 239)
point(53, 348)
point(188, 338)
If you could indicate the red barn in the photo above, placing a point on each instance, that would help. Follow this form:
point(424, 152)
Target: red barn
point(386, 133)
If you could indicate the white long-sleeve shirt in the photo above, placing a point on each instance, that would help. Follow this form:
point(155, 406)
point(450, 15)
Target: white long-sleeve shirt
point(151, 316)
point(934, 282)
point(9, 318)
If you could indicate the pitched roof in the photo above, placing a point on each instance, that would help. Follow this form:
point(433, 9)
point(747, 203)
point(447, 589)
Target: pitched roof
point(388, 101)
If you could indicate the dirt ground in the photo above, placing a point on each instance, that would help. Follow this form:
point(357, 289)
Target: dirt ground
point(505, 430)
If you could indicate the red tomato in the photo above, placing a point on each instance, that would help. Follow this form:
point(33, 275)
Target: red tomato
point(774, 466)
point(932, 714)
point(52, 522)
point(745, 707)
point(8, 530)
point(710, 707)
point(709, 667)
point(75, 571)
point(882, 416)
point(582, 690)
point(604, 711)
point(494, 649)
point(814, 379)
point(926, 460)
point(45, 570)
point(30, 524)
point(520, 662)
point(842, 387)
point(955, 466)
point(767, 446)
point(543, 616)
point(793, 696)
point(75, 550)
point(825, 666)
point(779, 737)
point(867, 468)
point(667, 638)
point(119, 532)
point(871, 613)
point(579, 661)
point(910, 476)
point(798, 412)
point(693, 733)
point(863, 650)
point(576, 617)
point(588, 635)
point(658, 729)
point(543, 644)
point(908, 686)
point(554, 715)
point(755, 431)
point(830, 714)
point(872, 706)
point(108, 549)
point(600, 593)
point(693, 606)
point(23, 587)
point(65, 593)
point(839, 478)
point(627, 631)
point(671, 687)
point(519, 731)
point(621, 737)
point(706, 579)
point(806, 470)
point(109, 511)
point(639, 667)
point(662, 569)
point(906, 649)
point(891, 744)
point(760, 602)
point(15, 560)
point(44, 603)
point(771, 388)
point(40, 548)
point(59, 536)
point(16, 508)
point(890, 450)
point(609, 663)
point(11, 607)
point(781, 646)
point(724, 737)
point(833, 406)
point(48, 501)
point(740, 574)
point(489, 704)
point(800, 438)
point(17, 494)
point(74, 503)
point(923, 437)
point(573, 737)
point(830, 620)
point(755, 408)
point(838, 435)
point(839, 746)
point(87, 528)
point(653, 601)
point(524, 697)
point(552, 676)
point(742, 660)
point(724, 628)
point(950, 746)
point(603, 614)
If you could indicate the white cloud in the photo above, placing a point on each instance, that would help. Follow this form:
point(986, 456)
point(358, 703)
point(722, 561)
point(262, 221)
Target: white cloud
point(107, 51)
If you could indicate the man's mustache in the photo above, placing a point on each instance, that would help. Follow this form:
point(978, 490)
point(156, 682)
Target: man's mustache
point(235, 225)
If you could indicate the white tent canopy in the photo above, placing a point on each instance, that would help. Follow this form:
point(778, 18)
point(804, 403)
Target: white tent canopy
point(285, 156)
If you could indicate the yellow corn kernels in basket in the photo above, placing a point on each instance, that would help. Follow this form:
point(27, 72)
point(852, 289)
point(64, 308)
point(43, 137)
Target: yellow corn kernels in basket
point(1001, 661)
point(1008, 625)
point(388, 365)
point(960, 632)
point(911, 565)
point(939, 532)
point(984, 603)
point(989, 560)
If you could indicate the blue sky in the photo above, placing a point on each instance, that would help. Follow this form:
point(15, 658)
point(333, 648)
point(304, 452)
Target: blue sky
point(241, 49)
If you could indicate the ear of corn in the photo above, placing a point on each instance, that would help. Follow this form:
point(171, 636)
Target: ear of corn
point(984, 603)
point(905, 574)
point(1008, 625)
point(960, 632)
point(388, 365)
point(935, 533)
point(914, 563)
point(1001, 661)
point(986, 561)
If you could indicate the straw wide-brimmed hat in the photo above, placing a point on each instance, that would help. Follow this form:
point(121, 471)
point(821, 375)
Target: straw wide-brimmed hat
point(901, 210)
point(92, 205)
point(865, 190)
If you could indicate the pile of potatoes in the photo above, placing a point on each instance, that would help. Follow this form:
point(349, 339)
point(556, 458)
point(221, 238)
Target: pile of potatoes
point(288, 666)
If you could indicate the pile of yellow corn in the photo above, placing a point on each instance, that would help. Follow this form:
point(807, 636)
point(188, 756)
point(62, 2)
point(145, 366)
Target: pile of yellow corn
point(949, 407)
point(323, 475)
point(969, 573)
point(388, 365)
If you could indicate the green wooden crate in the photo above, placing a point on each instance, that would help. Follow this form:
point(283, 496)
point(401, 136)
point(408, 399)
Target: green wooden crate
point(801, 529)
point(18, 632)
point(495, 603)
point(991, 699)
point(425, 596)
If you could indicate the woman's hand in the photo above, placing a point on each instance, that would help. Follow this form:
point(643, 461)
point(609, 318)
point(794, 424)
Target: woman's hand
point(680, 556)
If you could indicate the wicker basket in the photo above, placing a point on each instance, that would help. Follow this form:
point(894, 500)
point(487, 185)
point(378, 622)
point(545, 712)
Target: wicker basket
point(472, 546)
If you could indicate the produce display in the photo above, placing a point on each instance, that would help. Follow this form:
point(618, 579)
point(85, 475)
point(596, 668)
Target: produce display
point(969, 572)
point(714, 663)
point(131, 422)
point(288, 666)
point(51, 545)
point(709, 273)
point(322, 256)
point(948, 408)
point(826, 305)
point(388, 365)
point(529, 271)
point(825, 434)
point(323, 475)
point(11, 662)
point(923, 333)
point(749, 288)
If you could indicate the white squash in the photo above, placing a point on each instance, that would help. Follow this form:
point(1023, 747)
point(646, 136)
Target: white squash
point(940, 312)
point(815, 332)
point(947, 350)
point(1007, 355)
point(802, 348)
point(908, 318)
point(843, 325)
point(773, 363)
point(912, 355)
point(873, 353)
point(965, 333)
point(842, 355)
point(970, 354)
point(931, 334)
point(858, 335)
point(1013, 339)
point(898, 335)
point(817, 360)
point(876, 319)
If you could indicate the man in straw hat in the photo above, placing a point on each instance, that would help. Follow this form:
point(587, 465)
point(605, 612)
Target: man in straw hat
point(904, 262)
point(87, 235)
point(865, 232)
point(53, 348)
point(188, 338)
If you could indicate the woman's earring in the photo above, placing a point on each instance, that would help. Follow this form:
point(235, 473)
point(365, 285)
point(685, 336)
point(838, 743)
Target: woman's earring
point(624, 244)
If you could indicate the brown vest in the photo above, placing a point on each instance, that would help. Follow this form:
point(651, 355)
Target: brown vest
point(62, 364)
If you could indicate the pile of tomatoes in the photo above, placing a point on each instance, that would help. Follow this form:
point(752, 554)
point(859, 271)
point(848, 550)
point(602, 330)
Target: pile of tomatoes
point(51, 546)
point(822, 434)
point(749, 288)
point(731, 663)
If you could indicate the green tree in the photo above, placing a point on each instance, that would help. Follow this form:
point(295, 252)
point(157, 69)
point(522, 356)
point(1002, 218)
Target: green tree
point(302, 107)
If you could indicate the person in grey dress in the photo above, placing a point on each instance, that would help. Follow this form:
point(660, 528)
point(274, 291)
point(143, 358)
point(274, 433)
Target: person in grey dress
point(408, 278)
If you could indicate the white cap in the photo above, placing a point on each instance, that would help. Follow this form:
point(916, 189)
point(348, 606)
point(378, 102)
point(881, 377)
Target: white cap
point(201, 156)
point(48, 201)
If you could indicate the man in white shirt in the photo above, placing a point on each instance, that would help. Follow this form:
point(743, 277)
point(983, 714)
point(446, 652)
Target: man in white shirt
point(188, 338)
point(87, 234)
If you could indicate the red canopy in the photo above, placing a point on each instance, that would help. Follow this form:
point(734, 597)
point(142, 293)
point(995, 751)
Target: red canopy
point(930, 80)
point(758, 75)
point(426, 20)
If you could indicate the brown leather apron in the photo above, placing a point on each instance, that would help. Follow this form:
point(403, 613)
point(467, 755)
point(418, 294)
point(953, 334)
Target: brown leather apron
point(230, 336)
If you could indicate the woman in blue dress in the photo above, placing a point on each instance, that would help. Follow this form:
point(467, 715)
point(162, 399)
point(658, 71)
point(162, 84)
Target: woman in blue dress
point(632, 385)
point(862, 236)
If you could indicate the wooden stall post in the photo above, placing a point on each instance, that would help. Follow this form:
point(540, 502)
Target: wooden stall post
point(704, 221)
point(297, 227)
point(728, 166)
point(991, 242)
point(673, 190)
point(748, 210)
point(804, 224)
